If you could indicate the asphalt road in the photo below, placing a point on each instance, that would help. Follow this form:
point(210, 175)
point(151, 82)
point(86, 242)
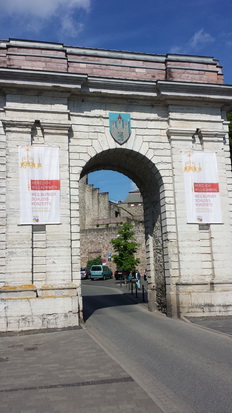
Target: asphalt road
point(183, 367)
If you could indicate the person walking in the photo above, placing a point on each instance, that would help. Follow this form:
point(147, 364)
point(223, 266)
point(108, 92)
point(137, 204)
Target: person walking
point(138, 282)
point(129, 277)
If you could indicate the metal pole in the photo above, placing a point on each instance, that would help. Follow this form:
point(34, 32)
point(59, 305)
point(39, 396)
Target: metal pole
point(143, 293)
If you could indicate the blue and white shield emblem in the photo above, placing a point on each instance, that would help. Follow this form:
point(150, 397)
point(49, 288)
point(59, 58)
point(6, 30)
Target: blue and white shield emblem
point(120, 126)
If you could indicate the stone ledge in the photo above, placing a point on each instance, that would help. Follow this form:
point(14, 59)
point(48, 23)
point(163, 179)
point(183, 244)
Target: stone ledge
point(38, 313)
point(31, 291)
point(18, 291)
point(57, 291)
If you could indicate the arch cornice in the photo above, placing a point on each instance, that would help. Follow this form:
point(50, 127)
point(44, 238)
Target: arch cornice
point(187, 134)
point(54, 127)
point(170, 91)
point(40, 79)
point(71, 83)
point(51, 127)
point(17, 125)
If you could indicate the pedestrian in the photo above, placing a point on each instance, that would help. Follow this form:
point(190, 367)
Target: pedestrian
point(137, 276)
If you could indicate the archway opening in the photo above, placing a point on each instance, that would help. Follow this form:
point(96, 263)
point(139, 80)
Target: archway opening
point(147, 179)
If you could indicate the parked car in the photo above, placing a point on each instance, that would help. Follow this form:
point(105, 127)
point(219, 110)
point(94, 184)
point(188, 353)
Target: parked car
point(120, 274)
point(100, 272)
point(85, 273)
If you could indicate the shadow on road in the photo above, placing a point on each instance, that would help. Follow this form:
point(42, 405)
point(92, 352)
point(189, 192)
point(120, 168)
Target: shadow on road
point(103, 298)
point(92, 303)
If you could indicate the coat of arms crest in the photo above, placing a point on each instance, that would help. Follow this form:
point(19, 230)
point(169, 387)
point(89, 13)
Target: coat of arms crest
point(120, 127)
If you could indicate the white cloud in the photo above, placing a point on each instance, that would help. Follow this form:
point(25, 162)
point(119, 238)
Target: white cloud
point(70, 26)
point(133, 186)
point(42, 8)
point(35, 16)
point(200, 39)
point(32, 25)
point(176, 50)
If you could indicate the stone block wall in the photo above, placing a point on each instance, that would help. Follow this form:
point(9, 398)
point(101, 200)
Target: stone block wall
point(97, 241)
point(104, 63)
point(99, 225)
point(54, 95)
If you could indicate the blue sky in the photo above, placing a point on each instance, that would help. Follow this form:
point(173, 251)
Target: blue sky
point(118, 185)
point(197, 27)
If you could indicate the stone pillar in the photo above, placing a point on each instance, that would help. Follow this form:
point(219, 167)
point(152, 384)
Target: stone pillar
point(39, 289)
point(204, 281)
point(58, 252)
point(75, 220)
point(17, 281)
point(2, 206)
point(152, 300)
point(170, 245)
point(19, 237)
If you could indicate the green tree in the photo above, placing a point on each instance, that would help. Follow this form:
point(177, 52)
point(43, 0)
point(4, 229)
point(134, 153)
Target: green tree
point(125, 247)
point(229, 118)
point(94, 261)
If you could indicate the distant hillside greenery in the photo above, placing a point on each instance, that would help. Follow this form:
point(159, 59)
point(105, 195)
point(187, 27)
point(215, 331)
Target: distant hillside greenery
point(229, 118)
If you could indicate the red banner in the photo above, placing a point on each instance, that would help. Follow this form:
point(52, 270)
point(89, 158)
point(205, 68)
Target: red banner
point(206, 187)
point(45, 185)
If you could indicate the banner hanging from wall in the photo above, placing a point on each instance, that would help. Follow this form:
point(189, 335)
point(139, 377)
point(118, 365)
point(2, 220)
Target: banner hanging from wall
point(202, 195)
point(39, 185)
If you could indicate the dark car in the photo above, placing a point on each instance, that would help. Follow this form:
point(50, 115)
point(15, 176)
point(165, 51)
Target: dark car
point(85, 273)
point(120, 274)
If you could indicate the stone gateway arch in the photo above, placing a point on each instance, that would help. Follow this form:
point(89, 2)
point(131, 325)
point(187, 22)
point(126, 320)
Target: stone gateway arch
point(160, 120)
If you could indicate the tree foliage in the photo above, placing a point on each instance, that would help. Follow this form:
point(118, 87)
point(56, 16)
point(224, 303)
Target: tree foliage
point(125, 247)
point(94, 261)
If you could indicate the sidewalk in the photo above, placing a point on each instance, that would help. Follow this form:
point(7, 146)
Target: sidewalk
point(65, 371)
point(221, 324)
point(218, 323)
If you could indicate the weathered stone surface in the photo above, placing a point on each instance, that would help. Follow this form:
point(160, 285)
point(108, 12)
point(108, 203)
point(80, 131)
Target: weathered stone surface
point(54, 95)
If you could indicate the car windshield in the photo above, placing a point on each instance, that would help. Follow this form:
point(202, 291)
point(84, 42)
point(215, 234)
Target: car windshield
point(96, 268)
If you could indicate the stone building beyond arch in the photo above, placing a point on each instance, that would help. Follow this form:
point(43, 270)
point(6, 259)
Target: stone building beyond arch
point(159, 119)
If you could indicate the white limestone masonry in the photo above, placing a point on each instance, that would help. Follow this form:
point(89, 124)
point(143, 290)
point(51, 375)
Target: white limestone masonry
point(68, 106)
